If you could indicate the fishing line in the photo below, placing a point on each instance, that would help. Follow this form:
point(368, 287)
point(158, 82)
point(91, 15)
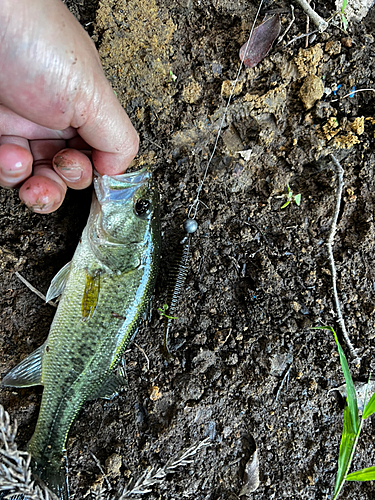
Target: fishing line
point(195, 204)
point(179, 268)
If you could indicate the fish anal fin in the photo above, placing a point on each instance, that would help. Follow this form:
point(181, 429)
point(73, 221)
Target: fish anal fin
point(28, 372)
point(58, 283)
point(110, 387)
point(90, 295)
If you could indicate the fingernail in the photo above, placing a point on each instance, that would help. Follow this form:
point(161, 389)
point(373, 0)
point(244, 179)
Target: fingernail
point(40, 207)
point(14, 174)
point(70, 174)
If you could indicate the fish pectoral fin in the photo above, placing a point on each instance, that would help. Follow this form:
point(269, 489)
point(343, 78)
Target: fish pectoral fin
point(58, 283)
point(26, 373)
point(110, 387)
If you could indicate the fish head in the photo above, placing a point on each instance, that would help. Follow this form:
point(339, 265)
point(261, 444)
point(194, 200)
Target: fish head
point(124, 219)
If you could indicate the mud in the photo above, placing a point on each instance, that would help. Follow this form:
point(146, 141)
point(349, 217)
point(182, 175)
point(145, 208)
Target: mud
point(247, 364)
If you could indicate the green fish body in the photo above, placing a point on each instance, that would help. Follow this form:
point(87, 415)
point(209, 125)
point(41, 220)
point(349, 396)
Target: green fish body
point(105, 291)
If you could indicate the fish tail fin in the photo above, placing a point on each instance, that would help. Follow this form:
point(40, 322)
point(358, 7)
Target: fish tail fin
point(52, 474)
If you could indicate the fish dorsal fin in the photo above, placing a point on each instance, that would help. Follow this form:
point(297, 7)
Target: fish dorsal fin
point(26, 373)
point(58, 283)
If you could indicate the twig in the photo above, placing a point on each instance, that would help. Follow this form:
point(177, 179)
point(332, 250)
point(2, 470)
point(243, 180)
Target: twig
point(144, 354)
point(289, 26)
point(284, 380)
point(156, 476)
point(321, 24)
point(307, 29)
point(340, 180)
point(299, 37)
point(101, 470)
point(152, 142)
point(33, 289)
point(286, 376)
point(15, 473)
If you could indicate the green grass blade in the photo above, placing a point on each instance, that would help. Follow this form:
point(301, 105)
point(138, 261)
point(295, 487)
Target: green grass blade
point(370, 408)
point(350, 389)
point(344, 4)
point(362, 475)
point(346, 447)
point(344, 22)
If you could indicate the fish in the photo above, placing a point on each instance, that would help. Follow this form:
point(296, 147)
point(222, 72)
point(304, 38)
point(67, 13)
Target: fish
point(104, 293)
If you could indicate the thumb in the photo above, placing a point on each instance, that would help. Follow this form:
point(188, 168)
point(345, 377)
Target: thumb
point(110, 133)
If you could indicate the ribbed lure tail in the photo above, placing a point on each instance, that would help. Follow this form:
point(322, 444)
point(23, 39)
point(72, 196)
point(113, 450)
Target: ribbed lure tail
point(177, 277)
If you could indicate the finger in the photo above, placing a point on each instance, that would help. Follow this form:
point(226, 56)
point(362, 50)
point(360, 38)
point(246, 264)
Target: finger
point(43, 192)
point(78, 143)
point(110, 133)
point(15, 161)
point(73, 167)
point(13, 124)
point(44, 150)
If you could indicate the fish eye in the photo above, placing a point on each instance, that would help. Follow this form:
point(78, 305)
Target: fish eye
point(142, 207)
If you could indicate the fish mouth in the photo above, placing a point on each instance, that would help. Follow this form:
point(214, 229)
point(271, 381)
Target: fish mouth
point(119, 188)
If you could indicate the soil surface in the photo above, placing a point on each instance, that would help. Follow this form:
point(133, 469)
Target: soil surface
point(247, 365)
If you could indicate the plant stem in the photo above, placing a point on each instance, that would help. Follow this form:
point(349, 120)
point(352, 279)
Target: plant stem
point(340, 177)
point(321, 24)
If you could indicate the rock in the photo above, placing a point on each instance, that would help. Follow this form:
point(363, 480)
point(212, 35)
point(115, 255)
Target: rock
point(113, 465)
point(311, 91)
point(355, 10)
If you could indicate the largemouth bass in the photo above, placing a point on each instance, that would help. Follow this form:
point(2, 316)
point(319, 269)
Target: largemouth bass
point(105, 291)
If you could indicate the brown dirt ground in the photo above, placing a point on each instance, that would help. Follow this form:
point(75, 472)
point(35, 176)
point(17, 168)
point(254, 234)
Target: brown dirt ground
point(259, 276)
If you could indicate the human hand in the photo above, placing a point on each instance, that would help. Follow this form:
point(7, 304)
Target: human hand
point(54, 96)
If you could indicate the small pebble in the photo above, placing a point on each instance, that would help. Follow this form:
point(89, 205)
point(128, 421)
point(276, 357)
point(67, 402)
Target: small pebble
point(311, 91)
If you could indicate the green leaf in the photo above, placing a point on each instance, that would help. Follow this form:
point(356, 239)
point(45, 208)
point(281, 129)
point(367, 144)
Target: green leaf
point(362, 475)
point(285, 205)
point(370, 408)
point(344, 22)
point(297, 199)
point(346, 446)
point(163, 313)
point(344, 4)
